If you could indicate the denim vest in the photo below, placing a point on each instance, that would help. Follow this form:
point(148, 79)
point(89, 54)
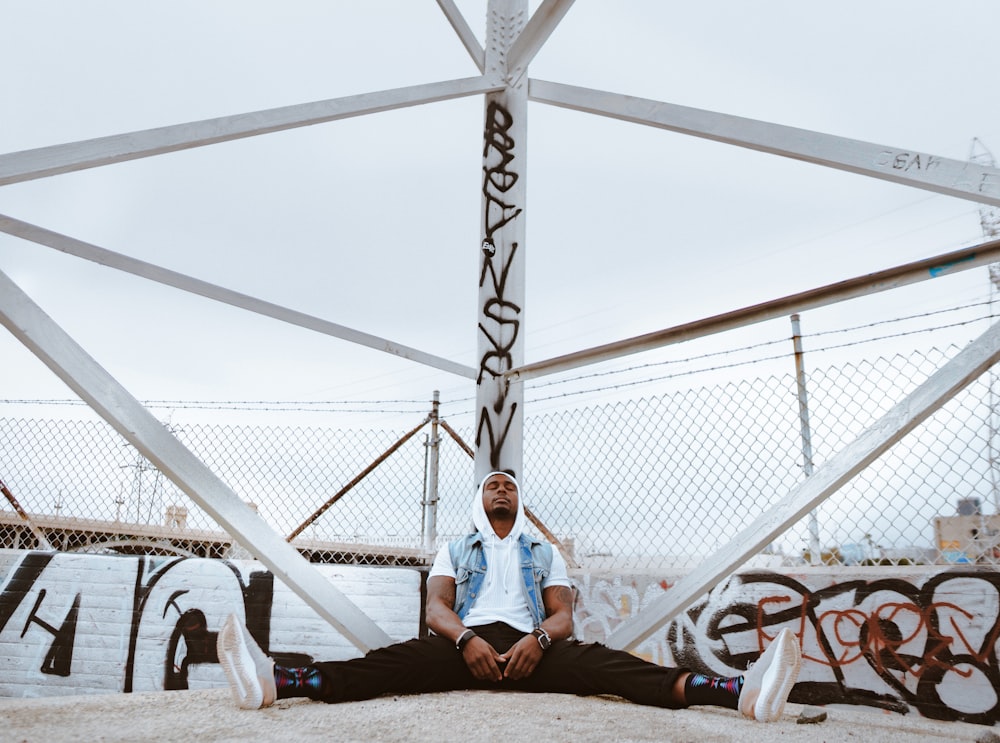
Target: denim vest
point(469, 560)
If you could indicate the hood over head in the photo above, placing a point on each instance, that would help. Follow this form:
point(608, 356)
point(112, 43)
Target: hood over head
point(482, 521)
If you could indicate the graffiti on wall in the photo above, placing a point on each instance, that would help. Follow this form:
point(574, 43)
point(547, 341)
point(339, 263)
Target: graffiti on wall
point(111, 623)
point(896, 643)
point(90, 623)
point(500, 317)
point(602, 604)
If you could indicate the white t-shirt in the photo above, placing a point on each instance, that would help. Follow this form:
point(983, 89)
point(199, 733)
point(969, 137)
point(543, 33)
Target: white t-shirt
point(502, 597)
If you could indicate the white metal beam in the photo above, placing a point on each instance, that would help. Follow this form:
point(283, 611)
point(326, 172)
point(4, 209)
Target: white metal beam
point(892, 278)
point(537, 31)
point(161, 275)
point(111, 401)
point(465, 34)
point(959, 178)
point(91, 153)
point(502, 261)
point(974, 360)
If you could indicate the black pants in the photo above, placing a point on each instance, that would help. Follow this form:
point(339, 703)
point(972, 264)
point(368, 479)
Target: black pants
point(431, 664)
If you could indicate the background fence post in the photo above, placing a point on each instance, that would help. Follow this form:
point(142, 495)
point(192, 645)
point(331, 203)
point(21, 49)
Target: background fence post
point(431, 489)
point(994, 273)
point(807, 454)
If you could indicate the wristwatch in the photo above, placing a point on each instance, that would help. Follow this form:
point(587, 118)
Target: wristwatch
point(463, 639)
point(544, 641)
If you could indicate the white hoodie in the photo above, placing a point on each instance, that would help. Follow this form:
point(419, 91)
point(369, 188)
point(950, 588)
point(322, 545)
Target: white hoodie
point(482, 522)
point(502, 598)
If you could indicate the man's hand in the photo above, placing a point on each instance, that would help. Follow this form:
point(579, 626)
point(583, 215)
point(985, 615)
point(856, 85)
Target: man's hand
point(522, 658)
point(482, 659)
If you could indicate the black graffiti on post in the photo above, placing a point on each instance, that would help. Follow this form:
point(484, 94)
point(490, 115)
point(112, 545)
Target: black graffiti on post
point(498, 358)
point(873, 629)
point(496, 437)
point(498, 178)
point(504, 313)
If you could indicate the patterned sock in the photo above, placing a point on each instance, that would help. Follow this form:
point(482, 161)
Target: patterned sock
point(298, 682)
point(719, 692)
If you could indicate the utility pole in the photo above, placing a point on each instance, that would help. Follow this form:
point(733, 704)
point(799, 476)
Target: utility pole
point(431, 481)
point(989, 220)
point(815, 558)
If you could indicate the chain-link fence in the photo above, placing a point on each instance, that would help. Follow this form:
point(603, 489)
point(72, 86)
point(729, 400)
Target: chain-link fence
point(668, 480)
point(658, 482)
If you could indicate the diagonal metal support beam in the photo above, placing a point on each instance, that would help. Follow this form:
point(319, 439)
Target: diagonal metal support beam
point(959, 178)
point(92, 153)
point(534, 35)
point(465, 34)
point(37, 331)
point(906, 415)
point(909, 273)
point(161, 275)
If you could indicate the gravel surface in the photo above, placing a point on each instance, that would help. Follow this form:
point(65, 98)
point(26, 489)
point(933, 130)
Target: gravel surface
point(191, 716)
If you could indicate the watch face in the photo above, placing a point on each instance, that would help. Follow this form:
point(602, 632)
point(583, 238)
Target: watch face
point(543, 640)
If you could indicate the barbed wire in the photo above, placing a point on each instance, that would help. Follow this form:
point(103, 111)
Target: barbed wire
point(748, 362)
point(930, 313)
point(266, 406)
point(758, 360)
point(896, 335)
point(419, 406)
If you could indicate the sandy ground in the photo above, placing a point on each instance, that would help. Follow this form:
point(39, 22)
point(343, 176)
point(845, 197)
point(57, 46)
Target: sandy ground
point(191, 716)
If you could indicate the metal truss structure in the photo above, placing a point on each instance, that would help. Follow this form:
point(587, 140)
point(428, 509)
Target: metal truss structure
point(512, 41)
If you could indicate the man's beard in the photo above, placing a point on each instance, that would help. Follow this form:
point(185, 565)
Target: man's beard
point(503, 510)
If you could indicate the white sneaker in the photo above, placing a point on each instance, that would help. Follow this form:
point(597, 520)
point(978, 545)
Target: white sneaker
point(768, 682)
point(249, 671)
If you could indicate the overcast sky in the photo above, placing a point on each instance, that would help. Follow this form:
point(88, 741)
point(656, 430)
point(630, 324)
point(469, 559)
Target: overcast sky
point(373, 222)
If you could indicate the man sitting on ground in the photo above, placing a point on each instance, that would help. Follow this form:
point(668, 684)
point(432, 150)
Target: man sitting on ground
point(500, 608)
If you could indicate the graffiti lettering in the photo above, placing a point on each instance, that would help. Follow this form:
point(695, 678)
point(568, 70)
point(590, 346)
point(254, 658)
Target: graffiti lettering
point(498, 153)
point(58, 661)
point(989, 184)
point(500, 323)
point(928, 644)
point(151, 623)
point(505, 314)
point(884, 643)
point(906, 161)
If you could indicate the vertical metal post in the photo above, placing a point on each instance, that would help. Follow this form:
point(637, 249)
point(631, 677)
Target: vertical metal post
point(423, 493)
point(431, 486)
point(499, 403)
point(989, 221)
point(994, 410)
point(807, 454)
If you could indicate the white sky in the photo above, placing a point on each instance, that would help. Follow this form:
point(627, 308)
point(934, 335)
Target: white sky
point(373, 222)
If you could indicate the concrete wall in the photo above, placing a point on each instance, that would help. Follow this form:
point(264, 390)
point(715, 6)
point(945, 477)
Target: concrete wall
point(78, 624)
point(903, 639)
